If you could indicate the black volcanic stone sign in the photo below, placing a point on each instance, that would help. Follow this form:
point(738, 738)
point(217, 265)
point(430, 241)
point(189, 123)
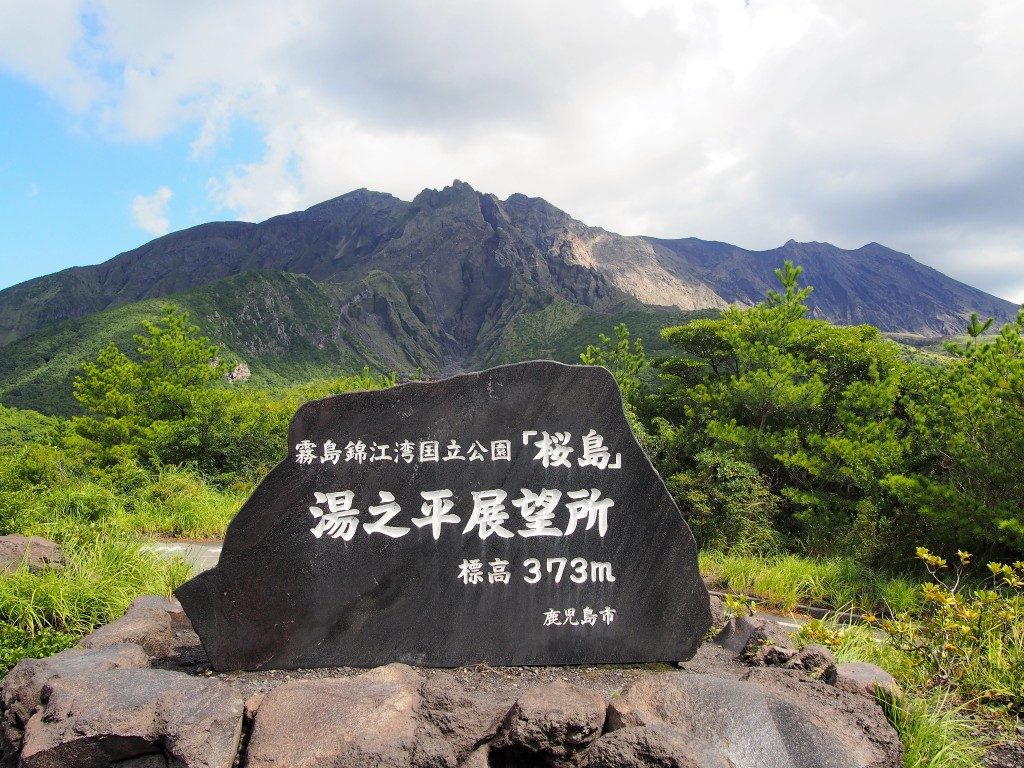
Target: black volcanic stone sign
point(507, 517)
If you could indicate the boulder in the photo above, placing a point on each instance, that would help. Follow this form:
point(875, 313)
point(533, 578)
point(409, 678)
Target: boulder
point(736, 633)
point(768, 645)
point(552, 722)
point(96, 718)
point(478, 758)
point(153, 623)
point(654, 746)
point(21, 690)
point(768, 723)
point(112, 705)
point(369, 719)
point(814, 660)
point(866, 680)
point(33, 551)
point(464, 718)
point(149, 761)
point(357, 593)
point(854, 720)
point(717, 613)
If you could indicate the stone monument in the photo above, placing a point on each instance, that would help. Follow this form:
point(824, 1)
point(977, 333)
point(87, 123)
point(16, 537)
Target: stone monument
point(507, 517)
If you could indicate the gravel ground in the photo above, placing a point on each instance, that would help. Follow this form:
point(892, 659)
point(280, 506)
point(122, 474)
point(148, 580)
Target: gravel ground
point(607, 679)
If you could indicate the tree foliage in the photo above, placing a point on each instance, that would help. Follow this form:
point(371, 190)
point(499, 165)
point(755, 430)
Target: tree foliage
point(816, 409)
point(969, 427)
point(168, 403)
point(159, 405)
point(777, 429)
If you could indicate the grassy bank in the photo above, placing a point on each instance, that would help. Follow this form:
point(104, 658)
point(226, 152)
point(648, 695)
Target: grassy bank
point(44, 612)
point(782, 581)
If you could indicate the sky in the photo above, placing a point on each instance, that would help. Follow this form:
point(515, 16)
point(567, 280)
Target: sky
point(750, 122)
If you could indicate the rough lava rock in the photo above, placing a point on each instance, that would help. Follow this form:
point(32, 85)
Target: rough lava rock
point(370, 719)
point(816, 661)
point(762, 722)
point(647, 746)
point(36, 552)
point(95, 718)
point(866, 679)
point(289, 593)
point(768, 645)
point(1005, 755)
point(22, 688)
point(466, 719)
point(152, 623)
point(717, 613)
point(105, 706)
point(734, 635)
point(551, 722)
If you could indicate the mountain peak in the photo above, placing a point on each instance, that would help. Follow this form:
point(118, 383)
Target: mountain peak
point(456, 192)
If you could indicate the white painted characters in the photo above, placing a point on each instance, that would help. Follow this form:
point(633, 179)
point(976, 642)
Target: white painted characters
point(597, 454)
point(589, 506)
point(489, 514)
point(579, 571)
point(472, 571)
point(488, 517)
point(386, 510)
point(567, 617)
point(304, 452)
point(435, 511)
point(538, 510)
point(340, 520)
point(554, 449)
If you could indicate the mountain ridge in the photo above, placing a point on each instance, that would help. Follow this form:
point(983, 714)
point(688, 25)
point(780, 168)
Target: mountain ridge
point(342, 239)
point(452, 280)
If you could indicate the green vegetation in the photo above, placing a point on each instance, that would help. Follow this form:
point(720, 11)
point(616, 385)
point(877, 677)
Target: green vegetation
point(164, 446)
point(935, 731)
point(562, 329)
point(283, 326)
point(290, 329)
point(784, 580)
point(957, 653)
point(778, 432)
point(816, 464)
point(823, 464)
point(971, 639)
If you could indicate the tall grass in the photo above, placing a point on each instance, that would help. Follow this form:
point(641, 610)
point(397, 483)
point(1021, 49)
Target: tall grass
point(942, 718)
point(936, 732)
point(180, 503)
point(100, 578)
point(785, 580)
point(175, 502)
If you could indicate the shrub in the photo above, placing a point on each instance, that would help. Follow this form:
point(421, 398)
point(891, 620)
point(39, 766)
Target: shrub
point(17, 644)
point(969, 639)
point(728, 505)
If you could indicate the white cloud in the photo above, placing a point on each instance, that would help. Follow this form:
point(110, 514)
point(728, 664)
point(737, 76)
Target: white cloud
point(149, 212)
point(848, 121)
point(49, 45)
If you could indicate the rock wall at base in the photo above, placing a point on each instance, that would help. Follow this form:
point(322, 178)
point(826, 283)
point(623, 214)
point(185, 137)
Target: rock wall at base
point(110, 702)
